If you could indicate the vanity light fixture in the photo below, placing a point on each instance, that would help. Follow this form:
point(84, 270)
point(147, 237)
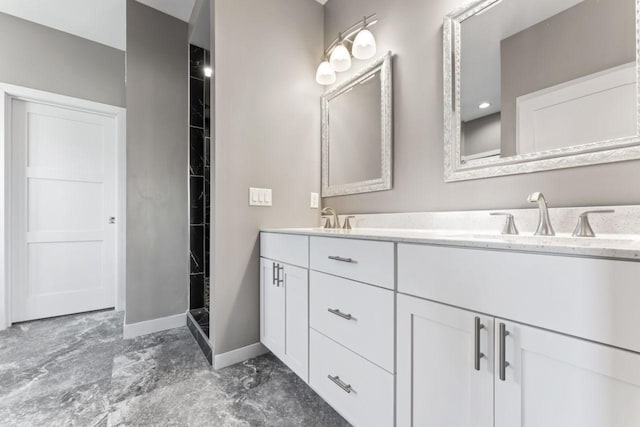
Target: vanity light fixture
point(208, 71)
point(325, 74)
point(340, 59)
point(484, 105)
point(363, 47)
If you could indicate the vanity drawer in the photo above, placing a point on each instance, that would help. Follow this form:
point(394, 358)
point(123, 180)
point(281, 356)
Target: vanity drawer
point(364, 322)
point(591, 298)
point(362, 260)
point(369, 402)
point(288, 248)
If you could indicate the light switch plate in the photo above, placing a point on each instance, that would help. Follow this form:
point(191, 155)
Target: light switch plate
point(315, 201)
point(260, 197)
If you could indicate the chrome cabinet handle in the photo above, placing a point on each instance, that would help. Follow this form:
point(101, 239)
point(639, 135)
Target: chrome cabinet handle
point(338, 258)
point(339, 313)
point(280, 278)
point(502, 353)
point(477, 354)
point(340, 383)
point(274, 274)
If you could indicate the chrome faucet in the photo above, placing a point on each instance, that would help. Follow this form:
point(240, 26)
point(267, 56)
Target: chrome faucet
point(544, 224)
point(510, 224)
point(336, 220)
point(583, 228)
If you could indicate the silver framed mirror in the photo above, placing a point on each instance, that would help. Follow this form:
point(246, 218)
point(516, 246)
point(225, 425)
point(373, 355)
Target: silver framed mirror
point(534, 85)
point(357, 132)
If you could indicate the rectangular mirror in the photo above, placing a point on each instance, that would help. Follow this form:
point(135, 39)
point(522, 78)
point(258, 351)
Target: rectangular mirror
point(533, 85)
point(357, 133)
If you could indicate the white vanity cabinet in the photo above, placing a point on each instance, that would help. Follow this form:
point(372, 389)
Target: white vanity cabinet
point(527, 376)
point(445, 366)
point(392, 333)
point(352, 313)
point(542, 379)
point(272, 303)
point(284, 296)
point(553, 380)
point(333, 325)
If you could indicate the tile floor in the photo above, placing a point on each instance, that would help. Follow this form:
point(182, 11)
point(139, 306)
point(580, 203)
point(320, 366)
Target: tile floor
point(78, 371)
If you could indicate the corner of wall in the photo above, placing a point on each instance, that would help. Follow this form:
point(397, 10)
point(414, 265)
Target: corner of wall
point(274, 143)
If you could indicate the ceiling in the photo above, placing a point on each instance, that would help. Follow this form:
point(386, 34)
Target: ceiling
point(180, 9)
point(200, 25)
point(102, 21)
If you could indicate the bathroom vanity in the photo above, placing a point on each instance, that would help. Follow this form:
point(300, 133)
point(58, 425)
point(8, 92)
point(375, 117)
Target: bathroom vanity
point(425, 328)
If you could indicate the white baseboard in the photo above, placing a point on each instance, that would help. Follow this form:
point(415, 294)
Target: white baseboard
point(238, 355)
point(155, 325)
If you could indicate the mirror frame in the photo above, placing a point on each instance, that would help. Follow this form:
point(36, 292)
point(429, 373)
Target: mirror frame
point(386, 127)
point(608, 151)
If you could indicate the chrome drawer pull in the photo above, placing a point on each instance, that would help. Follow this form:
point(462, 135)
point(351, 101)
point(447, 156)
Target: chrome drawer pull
point(338, 258)
point(340, 383)
point(337, 312)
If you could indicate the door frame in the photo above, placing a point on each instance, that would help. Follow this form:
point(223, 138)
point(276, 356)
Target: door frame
point(9, 92)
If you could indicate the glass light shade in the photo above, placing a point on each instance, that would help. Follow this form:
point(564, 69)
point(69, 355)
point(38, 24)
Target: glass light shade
point(364, 45)
point(340, 58)
point(325, 74)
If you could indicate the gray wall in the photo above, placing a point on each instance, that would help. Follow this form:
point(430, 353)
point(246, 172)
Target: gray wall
point(412, 29)
point(157, 165)
point(267, 134)
point(481, 135)
point(39, 57)
point(602, 36)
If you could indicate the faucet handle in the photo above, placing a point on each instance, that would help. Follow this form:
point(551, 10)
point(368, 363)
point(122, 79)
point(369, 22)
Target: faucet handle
point(347, 223)
point(327, 223)
point(509, 225)
point(583, 228)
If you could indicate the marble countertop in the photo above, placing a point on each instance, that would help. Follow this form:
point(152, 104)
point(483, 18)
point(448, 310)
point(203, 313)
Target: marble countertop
point(611, 246)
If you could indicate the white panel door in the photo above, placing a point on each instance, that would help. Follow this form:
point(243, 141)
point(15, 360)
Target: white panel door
point(597, 107)
point(438, 381)
point(64, 194)
point(554, 380)
point(272, 308)
point(296, 287)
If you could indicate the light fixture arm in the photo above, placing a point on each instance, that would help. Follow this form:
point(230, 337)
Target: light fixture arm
point(346, 35)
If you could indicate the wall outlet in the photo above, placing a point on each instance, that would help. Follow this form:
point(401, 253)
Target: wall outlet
point(260, 197)
point(315, 201)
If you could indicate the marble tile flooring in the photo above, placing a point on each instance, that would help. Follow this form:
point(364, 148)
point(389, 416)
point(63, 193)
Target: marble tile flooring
point(78, 371)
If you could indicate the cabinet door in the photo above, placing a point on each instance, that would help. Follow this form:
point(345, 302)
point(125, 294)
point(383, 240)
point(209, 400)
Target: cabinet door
point(295, 283)
point(437, 383)
point(554, 380)
point(272, 305)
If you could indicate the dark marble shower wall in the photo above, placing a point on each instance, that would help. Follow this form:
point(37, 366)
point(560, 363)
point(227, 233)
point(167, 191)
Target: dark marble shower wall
point(199, 173)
